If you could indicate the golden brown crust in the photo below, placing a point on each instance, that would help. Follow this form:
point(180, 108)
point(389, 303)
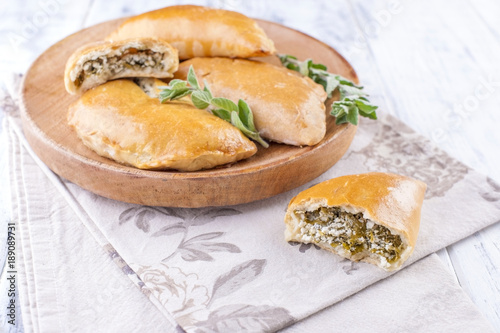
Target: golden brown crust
point(106, 49)
point(119, 121)
point(198, 31)
point(287, 107)
point(390, 200)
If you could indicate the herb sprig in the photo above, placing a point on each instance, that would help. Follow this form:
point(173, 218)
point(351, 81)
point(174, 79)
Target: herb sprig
point(239, 115)
point(353, 100)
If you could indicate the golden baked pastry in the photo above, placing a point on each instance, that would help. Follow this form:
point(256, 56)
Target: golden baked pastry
point(198, 31)
point(371, 217)
point(95, 63)
point(119, 121)
point(287, 107)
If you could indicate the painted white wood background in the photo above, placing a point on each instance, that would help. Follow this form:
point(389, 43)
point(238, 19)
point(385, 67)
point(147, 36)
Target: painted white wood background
point(435, 64)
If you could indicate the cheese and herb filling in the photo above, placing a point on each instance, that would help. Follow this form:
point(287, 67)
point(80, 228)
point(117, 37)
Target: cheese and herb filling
point(357, 235)
point(131, 58)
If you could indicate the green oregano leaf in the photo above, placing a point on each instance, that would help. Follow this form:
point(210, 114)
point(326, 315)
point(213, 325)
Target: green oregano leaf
point(236, 121)
point(201, 99)
point(179, 93)
point(177, 84)
point(191, 78)
point(246, 115)
point(223, 114)
point(224, 103)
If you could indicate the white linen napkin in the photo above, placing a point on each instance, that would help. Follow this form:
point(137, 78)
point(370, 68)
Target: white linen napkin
point(424, 297)
point(68, 283)
point(68, 288)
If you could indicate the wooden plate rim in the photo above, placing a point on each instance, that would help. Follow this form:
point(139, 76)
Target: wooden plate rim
point(223, 172)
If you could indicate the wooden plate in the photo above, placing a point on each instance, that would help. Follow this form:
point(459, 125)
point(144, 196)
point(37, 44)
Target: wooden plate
point(271, 171)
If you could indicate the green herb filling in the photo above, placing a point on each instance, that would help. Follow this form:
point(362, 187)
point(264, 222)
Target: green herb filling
point(333, 226)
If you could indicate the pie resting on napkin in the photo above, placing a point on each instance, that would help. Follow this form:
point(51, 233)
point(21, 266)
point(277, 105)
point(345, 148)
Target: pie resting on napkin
point(372, 217)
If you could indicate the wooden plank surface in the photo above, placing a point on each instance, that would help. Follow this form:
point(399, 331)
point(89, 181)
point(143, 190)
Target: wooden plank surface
point(432, 64)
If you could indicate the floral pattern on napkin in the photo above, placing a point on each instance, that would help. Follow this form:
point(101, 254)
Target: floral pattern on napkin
point(190, 302)
point(181, 292)
point(195, 248)
point(398, 149)
point(228, 269)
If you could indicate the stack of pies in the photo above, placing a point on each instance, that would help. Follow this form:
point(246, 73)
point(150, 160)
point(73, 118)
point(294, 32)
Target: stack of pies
point(122, 119)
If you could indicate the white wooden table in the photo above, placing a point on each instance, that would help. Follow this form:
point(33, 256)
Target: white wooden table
point(433, 64)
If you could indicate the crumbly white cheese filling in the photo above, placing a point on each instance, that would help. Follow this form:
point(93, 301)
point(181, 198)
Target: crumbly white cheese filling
point(336, 227)
point(129, 59)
